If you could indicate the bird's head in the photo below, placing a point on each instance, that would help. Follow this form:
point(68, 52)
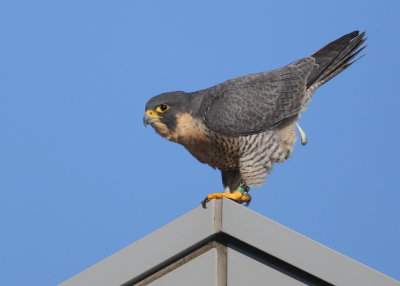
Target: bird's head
point(162, 111)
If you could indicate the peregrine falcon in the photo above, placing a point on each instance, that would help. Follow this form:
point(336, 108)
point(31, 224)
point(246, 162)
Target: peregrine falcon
point(244, 125)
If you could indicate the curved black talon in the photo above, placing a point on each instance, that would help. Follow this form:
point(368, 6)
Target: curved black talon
point(248, 202)
point(203, 203)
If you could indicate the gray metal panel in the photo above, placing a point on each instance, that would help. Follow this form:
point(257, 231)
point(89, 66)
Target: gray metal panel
point(243, 270)
point(151, 250)
point(200, 271)
point(240, 223)
point(296, 249)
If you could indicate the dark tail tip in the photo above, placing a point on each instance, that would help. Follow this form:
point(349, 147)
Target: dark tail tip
point(337, 44)
point(336, 57)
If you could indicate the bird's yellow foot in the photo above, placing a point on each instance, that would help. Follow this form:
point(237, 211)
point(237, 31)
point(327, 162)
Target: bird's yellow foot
point(238, 196)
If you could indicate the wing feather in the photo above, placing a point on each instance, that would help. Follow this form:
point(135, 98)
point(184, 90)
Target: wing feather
point(257, 102)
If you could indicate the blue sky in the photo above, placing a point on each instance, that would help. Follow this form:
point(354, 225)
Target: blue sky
point(80, 177)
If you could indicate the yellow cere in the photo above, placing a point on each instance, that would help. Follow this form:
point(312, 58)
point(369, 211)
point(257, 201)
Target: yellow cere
point(152, 114)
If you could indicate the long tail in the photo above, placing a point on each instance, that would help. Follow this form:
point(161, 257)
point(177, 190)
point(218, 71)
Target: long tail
point(335, 57)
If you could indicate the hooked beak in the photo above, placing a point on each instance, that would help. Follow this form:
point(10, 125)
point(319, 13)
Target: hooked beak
point(147, 120)
point(150, 117)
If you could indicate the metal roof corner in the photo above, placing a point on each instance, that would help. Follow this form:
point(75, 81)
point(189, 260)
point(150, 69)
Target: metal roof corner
point(227, 225)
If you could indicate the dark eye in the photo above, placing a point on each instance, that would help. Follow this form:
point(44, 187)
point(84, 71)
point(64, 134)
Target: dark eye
point(162, 108)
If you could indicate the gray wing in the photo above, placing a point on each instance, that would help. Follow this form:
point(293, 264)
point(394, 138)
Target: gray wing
point(255, 103)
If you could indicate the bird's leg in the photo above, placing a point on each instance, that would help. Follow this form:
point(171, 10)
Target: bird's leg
point(239, 195)
point(303, 135)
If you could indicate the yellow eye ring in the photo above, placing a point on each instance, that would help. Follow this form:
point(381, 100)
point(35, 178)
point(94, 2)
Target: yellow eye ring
point(162, 108)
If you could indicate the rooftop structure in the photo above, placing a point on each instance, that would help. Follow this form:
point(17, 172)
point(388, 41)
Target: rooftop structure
point(227, 244)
